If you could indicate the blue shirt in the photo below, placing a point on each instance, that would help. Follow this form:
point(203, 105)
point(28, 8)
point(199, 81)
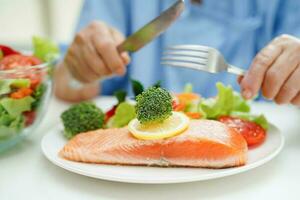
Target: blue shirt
point(239, 29)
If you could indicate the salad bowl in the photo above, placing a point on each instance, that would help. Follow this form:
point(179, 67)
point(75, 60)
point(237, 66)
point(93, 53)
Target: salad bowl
point(25, 89)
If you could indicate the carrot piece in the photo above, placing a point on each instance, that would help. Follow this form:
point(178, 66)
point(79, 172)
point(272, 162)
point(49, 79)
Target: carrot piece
point(179, 107)
point(187, 97)
point(21, 93)
point(193, 115)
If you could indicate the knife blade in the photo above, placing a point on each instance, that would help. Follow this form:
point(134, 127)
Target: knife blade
point(153, 29)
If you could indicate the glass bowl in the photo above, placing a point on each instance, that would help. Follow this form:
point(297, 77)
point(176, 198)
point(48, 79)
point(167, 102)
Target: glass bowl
point(24, 96)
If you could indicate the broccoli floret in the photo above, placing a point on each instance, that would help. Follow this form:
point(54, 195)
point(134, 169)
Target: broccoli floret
point(153, 105)
point(82, 117)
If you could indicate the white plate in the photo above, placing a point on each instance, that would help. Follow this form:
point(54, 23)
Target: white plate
point(53, 142)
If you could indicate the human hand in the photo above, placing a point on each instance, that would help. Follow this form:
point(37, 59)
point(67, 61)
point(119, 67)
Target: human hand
point(276, 71)
point(93, 53)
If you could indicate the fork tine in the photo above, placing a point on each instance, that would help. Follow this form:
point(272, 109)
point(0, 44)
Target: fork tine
point(187, 53)
point(186, 65)
point(196, 60)
point(190, 47)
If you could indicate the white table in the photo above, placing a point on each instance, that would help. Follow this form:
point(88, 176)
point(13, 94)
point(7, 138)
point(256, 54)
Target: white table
point(26, 174)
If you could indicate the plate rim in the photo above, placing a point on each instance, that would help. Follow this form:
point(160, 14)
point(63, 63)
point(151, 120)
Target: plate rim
point(229, 172)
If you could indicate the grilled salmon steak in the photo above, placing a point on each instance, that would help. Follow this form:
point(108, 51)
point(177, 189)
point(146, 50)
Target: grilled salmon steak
point(206, 143)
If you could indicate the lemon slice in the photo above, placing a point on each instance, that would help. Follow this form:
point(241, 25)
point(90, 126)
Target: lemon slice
point(174, 125)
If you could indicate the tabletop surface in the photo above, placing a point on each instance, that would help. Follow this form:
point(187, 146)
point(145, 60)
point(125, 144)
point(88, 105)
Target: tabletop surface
point(26, 174)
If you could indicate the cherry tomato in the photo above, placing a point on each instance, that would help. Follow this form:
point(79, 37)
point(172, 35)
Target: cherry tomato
point(253, 133)
point(16, 61)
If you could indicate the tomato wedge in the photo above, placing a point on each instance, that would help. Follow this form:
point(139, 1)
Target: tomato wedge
point(20, 61)
point(16, 60)
point(29, 117)
point(253, 133)
point(7, 50)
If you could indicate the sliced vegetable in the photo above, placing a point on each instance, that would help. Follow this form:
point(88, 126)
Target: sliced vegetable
point(252, 132)
point(124, 113)
point(16, 107)
point(45, 49)
point(193, 115)
point(258, 119)
point(21, 93)
point(18, 61)
point(6, 85)
point(9, 125)
point(6, 51)
point(172, 126)
point(29, 117)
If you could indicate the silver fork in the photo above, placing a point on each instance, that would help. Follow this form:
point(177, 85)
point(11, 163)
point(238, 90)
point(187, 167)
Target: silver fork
point(199, 58)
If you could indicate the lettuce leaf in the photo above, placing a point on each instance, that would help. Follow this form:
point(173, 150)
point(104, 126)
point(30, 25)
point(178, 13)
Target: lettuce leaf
point(45, 49)
point(10, 125)
point(226, 102)
point(16, 107)
point(7, 84)
point(125, 112)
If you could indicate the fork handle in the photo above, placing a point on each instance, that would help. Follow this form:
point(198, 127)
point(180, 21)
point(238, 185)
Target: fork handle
point(235, 70)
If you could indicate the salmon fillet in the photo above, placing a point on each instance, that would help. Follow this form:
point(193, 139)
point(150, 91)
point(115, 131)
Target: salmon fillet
point(206, 143)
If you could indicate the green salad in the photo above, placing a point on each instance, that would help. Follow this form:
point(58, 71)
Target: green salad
point(21, 93)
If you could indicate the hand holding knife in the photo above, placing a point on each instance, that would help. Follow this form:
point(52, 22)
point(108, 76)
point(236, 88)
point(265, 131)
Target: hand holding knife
point(147, 33)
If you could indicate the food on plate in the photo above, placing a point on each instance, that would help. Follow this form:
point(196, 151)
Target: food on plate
point(206, 143)
point(123, 114)
point(164, 129)
point(22, 85)
point(154, 105)
point(82, 117)
point(252, 132)
point(172, 126)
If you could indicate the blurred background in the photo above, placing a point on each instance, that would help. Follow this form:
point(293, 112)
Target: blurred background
point(21, 19)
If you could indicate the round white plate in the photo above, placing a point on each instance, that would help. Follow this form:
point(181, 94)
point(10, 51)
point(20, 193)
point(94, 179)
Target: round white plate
point(53, 142)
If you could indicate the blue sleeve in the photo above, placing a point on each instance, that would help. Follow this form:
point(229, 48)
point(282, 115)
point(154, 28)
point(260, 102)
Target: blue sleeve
point(113, 12)
point(288, 18)
point(116, 13)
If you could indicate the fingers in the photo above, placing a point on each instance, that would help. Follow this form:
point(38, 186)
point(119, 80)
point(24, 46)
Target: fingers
point(119, 38)
point(239, 79)
point(78, 66)
point(278, 73)
point(94, 61)
point(290, 89)
point(296, 100)
point(252, 81)
point(107, 48)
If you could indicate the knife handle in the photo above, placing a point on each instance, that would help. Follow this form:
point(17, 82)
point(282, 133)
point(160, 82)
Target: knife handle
point(120, 48)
